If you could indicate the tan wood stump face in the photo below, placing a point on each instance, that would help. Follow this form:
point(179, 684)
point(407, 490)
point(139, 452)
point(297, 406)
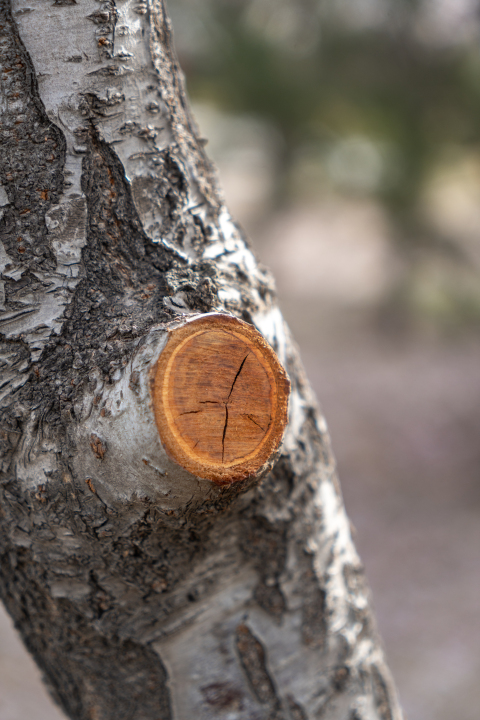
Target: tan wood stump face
point(220, 398)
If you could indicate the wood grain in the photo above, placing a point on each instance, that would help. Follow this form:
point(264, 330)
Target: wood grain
point(220, 398)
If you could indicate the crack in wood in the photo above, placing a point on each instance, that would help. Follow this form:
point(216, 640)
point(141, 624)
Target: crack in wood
point(216, 402)
point(236, 376)
point(224, 432)
point(226, 405)
point(254, 421)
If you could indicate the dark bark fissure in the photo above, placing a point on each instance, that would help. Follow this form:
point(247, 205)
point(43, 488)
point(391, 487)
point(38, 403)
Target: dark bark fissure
point(32, 157)
point(31, 162)
point(254, 662)
point(252, 656)
point(266, 546)
point(82, 666)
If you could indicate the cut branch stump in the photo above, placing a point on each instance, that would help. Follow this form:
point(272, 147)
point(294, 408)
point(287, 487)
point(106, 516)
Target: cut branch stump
point(220, 398)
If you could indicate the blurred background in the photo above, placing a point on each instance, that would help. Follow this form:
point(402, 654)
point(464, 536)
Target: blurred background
point(347, 137)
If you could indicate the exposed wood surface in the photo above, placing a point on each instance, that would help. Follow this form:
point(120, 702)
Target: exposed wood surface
point(220, 398)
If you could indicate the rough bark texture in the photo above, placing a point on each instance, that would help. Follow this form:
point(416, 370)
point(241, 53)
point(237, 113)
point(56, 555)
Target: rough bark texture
point(142, 591)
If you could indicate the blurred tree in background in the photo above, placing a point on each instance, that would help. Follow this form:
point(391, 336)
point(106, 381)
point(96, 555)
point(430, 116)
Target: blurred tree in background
point(375, 99)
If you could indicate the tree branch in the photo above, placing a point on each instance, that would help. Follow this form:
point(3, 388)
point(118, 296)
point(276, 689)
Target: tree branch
point(144, 590)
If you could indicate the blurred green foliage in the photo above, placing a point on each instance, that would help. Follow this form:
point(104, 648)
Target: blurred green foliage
point(322, 79)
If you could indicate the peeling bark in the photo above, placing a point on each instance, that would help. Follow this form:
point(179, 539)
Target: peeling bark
point(144, 591)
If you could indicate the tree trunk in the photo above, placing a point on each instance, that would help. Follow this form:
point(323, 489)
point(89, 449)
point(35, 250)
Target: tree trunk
point(145, 591)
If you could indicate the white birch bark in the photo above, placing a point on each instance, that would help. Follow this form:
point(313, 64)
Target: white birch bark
point(144, 591)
